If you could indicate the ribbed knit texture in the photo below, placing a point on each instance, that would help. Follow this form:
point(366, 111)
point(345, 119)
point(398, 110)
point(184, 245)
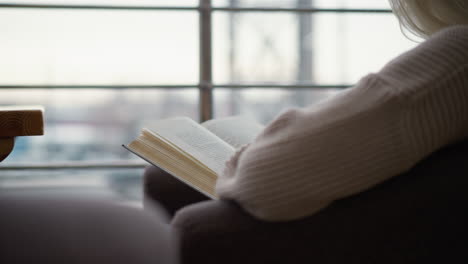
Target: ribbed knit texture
point(307, 158)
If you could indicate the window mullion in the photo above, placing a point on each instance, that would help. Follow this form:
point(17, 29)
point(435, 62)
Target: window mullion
point(206, 82)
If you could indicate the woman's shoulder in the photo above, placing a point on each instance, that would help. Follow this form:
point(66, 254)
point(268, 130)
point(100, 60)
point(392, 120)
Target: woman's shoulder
point(452, 41)
point(458, 33)
point(438, 58)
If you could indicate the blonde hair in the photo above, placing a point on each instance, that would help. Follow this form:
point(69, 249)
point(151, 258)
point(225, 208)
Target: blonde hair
point(425, 17)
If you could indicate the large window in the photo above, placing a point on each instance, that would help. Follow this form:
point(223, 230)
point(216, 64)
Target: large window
point(102, 68)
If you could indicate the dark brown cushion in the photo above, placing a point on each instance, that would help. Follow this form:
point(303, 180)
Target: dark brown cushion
point(417, 217)
point(58, 229)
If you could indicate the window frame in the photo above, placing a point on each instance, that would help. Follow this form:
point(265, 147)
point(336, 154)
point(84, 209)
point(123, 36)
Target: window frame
point(205, 83)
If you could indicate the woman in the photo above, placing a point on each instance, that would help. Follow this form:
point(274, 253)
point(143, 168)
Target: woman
point(307, 158)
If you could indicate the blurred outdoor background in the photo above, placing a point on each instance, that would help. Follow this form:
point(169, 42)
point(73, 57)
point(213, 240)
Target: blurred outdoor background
point(96, 50)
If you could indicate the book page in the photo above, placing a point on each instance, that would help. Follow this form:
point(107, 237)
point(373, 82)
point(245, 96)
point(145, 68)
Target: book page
point(194, 140)
point(236, 130)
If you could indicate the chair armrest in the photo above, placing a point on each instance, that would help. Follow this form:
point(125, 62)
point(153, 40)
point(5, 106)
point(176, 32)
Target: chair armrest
point(213, 216)
point(18, 121)
point(21, 121)
point(217, 228)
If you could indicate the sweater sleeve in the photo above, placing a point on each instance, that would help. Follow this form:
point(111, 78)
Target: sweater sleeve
point(307, 158)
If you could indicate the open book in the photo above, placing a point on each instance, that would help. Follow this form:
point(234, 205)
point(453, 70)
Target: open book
point(194, 153)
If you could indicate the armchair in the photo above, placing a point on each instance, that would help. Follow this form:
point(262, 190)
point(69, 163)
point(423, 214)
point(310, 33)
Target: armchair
point(418, 216)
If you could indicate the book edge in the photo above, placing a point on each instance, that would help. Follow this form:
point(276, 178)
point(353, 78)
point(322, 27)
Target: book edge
point(178, 178)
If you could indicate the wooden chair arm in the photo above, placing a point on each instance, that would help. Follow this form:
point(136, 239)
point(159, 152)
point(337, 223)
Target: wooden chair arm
point(18, 121)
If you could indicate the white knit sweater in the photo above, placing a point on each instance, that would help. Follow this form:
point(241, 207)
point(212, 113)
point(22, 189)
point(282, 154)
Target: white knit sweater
point(307, 158)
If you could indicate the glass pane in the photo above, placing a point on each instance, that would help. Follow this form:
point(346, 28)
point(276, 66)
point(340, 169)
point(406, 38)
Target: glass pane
point(349, 3)
point(326, 48)
point(120, 184)
point(306, 3)
point(113, 2)
point(93, 124)
point(349, 46)
point(265, 103)
point(42, 46)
